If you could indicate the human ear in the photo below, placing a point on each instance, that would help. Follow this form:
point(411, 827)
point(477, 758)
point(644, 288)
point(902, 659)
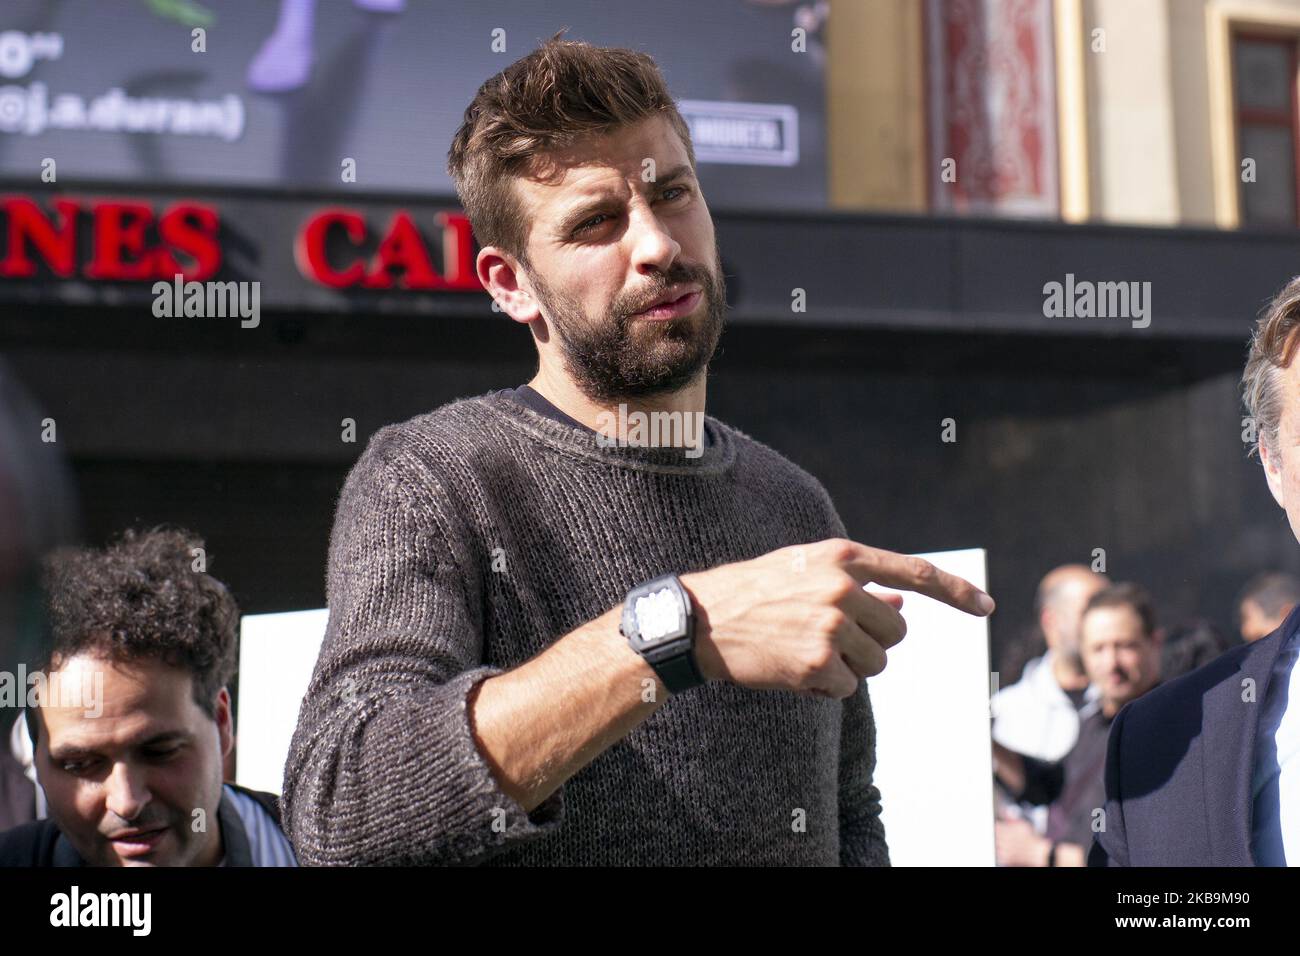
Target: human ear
point(1273, 472)
point(499, 273)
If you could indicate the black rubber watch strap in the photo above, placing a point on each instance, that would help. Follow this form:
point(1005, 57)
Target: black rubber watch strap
point(679, 673)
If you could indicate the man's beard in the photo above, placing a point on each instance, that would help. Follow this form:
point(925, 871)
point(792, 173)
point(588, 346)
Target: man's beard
point(619, 357)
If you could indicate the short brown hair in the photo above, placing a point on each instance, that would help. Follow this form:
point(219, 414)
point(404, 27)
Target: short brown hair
point(1125, 594)
point(1272, 346)
point(1273, 592)
point(563, 90)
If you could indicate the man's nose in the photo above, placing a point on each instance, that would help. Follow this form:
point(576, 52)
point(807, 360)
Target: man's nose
point(653, 247)
point(127, 793)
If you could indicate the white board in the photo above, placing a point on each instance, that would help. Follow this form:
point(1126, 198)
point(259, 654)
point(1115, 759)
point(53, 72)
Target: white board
point(934, 753)
point(277, 653)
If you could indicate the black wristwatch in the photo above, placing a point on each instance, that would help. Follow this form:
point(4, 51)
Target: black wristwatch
point(659, 623)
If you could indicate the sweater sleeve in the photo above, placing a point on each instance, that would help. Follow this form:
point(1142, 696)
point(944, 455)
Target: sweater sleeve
point(383, 767)
point(862, 833)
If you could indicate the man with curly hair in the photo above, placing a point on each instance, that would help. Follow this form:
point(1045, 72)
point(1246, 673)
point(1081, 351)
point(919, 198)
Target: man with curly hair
point(132, 716)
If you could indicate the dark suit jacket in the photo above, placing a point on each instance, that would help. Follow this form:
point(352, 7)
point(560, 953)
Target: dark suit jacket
point(1180, 762)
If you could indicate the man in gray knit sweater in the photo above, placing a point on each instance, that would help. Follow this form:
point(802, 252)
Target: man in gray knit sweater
point(475, 700)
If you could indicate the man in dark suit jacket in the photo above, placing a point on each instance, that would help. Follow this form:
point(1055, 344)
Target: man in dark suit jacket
point(1205, 770)
point(1181, 764)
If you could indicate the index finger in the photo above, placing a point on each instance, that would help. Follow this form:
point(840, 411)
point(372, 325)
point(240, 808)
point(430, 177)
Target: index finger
point(910, 573)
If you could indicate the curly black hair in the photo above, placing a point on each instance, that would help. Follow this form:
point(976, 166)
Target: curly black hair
point(142, 597)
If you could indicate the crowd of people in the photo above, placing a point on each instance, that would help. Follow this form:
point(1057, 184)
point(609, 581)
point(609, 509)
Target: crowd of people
point(1103, 649)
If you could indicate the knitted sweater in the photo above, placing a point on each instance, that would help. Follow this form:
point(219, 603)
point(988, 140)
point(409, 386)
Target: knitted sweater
point(469, 539)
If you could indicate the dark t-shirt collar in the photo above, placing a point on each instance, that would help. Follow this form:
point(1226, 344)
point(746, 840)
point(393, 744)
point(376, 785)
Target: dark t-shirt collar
point(537, 402)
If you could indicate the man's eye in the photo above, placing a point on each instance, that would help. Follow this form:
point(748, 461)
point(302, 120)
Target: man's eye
point(682, 190)
point(77, 767)
point(162, 754)
point(591, 223)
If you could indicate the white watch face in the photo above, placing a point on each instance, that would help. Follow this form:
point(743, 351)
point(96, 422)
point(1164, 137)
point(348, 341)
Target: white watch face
point(659, 615)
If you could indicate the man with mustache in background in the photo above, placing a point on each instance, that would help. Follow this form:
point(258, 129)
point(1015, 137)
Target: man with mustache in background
point(1120, 645)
